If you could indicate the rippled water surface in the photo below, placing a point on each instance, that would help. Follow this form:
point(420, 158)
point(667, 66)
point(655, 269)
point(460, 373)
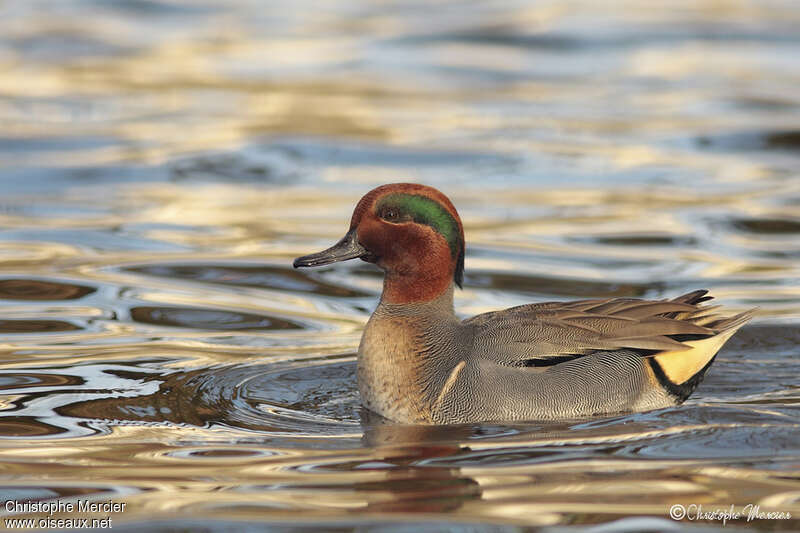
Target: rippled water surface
point(162, 161)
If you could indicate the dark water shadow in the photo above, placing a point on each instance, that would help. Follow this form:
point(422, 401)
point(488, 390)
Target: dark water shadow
point(253, 276)
point(766, 225)
point(508, 35)
point(636, 240)
point(37, 326)
point(27, 427)
point(315, 398)
point(751, 141)
point(209, 319)
point(557, 286)
point(39, 290)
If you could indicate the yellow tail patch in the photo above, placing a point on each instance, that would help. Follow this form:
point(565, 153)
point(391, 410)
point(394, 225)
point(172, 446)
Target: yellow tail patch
point(680, 365)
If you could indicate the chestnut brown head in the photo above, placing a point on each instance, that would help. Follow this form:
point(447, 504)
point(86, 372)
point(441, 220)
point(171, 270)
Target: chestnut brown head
point(412, 232)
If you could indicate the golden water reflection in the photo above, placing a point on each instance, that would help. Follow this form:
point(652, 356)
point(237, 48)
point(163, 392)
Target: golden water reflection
point(162, 162)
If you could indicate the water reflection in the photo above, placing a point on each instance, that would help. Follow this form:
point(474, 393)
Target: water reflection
point(753, 141)
point(34, 289)
point(207, 319)
point(163, 161)
point(35, 326)
point(255, 276)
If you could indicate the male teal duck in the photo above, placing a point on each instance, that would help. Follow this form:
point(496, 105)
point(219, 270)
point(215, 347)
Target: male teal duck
point(419, 364)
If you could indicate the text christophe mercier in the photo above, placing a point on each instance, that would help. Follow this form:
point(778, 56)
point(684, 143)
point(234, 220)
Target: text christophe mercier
point(52, 507)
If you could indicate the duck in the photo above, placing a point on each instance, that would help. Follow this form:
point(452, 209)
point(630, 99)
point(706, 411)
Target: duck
point(418, 363)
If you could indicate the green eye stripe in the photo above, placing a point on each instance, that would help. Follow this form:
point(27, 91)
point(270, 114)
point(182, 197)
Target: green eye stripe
point(424, 210)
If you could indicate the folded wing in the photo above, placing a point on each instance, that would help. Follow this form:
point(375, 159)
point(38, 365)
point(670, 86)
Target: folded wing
point(553, 332)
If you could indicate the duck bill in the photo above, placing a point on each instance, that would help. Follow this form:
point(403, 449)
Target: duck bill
point(347, 248)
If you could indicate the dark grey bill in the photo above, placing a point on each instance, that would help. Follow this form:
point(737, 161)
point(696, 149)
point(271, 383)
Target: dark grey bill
point(347, 248)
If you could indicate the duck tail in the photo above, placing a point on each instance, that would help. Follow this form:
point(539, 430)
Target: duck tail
point(680, 371)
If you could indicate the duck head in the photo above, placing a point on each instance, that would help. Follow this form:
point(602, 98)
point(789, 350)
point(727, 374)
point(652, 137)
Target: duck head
point(412, 232)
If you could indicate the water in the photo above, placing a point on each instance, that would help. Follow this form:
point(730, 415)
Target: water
point(162, 162)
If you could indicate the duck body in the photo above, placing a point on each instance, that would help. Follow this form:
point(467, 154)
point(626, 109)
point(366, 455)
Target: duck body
point(418, 363)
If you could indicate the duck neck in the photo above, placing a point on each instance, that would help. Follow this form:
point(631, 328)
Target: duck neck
point(441, 304)
point(405, 351)
point(417, 287)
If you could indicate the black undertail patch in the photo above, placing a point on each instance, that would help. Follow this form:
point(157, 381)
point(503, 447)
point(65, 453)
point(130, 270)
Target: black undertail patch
point(679, 391)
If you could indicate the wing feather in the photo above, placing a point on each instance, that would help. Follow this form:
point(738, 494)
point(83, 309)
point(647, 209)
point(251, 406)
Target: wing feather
point(528, 334)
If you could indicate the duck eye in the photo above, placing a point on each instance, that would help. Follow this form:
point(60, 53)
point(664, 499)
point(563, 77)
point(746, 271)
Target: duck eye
point(390, 214)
